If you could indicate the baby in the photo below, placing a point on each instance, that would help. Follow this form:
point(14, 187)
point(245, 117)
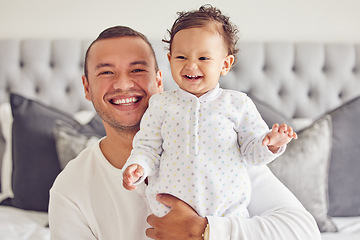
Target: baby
point(195, 142)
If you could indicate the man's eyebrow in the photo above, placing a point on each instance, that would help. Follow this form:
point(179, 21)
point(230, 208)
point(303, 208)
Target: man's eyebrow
point(144, 63)
point(101, 65)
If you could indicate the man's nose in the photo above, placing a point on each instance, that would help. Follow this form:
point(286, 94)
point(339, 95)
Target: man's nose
point(123, 82)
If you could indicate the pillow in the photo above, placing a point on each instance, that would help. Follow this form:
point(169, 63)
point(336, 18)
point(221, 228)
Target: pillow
point(303, 168)
point(268, 113)
point(344, 177)
point(34, 157)
point(6, 168)
point(2, 150)
point(70, 141)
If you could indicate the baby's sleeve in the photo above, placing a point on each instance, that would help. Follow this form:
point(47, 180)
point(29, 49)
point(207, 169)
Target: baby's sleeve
point(251, 131)
point(147, 143)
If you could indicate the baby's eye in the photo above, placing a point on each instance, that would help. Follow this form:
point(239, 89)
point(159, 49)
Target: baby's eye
point(180, 57)
point(204, 58)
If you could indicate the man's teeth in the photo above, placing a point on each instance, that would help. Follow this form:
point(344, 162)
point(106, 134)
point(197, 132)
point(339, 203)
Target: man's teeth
point(126, 100)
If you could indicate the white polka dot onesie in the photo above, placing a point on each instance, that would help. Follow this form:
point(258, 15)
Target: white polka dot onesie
point(197, 149)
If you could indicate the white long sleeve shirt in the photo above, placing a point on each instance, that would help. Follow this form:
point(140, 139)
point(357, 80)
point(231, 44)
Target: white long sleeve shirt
point(197, 148)
point(87, 201)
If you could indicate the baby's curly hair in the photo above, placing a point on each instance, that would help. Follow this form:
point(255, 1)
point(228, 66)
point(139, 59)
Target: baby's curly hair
point(205, 15)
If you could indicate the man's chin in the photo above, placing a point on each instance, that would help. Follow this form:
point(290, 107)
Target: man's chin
point(123, 127)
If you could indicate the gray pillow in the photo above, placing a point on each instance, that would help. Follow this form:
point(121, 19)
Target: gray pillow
point(70, 141)
point(303, 168)
point(344, 177)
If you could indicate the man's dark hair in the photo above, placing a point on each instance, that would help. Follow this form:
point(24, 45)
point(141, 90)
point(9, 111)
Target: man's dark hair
point(206, 14)
point(115, 32)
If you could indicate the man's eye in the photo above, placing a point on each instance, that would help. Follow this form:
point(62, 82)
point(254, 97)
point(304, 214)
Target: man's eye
point(204, 58)
point(106, 73)
point(138, 70)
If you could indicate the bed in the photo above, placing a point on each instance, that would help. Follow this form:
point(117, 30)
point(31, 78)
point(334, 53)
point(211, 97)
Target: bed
point(315, 87)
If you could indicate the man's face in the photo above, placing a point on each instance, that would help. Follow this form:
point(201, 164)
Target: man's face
point(121, 79)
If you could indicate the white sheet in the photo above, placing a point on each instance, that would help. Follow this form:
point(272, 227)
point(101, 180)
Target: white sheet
point(17, 224)
point(349, 229)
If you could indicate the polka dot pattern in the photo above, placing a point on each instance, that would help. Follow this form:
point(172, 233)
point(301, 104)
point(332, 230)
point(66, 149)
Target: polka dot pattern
point(197, 149)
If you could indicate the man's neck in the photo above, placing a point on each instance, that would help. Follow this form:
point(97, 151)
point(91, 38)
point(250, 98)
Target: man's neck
point(117, 146)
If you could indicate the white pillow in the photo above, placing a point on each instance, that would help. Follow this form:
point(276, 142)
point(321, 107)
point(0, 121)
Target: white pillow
point(84, 117)
point(6, 128)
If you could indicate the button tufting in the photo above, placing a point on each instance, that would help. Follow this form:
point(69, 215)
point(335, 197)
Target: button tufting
point(310, 94)
point(37, 89)
point(341, 95)
point(68, 89)
point(8, 89)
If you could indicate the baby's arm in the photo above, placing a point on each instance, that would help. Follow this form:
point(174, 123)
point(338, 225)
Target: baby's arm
point(132, 174)
point(278, 137)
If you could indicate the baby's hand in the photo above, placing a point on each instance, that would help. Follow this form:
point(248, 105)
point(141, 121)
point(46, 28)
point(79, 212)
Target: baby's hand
point(278, 137)
point(131, 174)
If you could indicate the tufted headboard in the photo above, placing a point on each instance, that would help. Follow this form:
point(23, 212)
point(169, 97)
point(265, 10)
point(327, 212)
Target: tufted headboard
point(45, 70)
point(302, 80)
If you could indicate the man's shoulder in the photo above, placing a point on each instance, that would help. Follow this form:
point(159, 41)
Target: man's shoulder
point(76, 168)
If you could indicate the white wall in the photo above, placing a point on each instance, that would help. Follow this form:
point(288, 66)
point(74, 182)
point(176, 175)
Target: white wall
point(293, 20)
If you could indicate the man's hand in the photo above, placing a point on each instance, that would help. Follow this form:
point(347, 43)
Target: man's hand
point(132, 174)
point(278, 137)
point(180, 223)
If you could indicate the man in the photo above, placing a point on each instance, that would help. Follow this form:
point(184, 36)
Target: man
point(87, 200)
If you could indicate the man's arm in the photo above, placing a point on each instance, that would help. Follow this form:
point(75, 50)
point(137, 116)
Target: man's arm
point(275, 214)
point(181, 222)
point(65, 220)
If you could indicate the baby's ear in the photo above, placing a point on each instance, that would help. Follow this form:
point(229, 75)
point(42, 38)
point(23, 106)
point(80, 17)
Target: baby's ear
point(228, 62)
point(169, 56)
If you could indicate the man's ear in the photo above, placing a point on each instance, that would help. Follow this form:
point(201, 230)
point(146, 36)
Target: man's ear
point(86, 87)
point(228, 62)
point(159, 82)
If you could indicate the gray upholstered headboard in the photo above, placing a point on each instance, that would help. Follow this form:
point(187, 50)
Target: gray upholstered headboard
point(302, 80)
point(45, 70)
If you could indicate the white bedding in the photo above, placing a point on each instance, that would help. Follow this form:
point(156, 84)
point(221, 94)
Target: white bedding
point(17, 224)
point(349, 229)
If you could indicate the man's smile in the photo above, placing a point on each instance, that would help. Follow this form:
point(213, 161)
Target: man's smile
point(125, 101)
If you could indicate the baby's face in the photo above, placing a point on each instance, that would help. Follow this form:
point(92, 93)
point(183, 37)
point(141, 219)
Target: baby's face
point(198, 57)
